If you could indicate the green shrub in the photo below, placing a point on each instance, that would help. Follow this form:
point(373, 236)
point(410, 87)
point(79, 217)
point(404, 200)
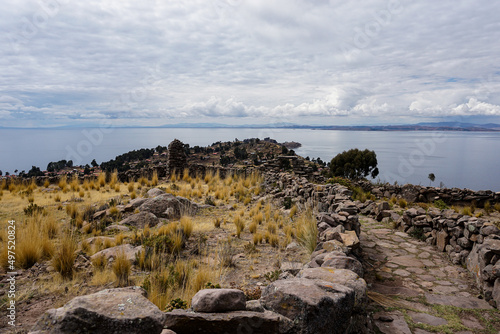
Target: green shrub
point(176, 303)
point(340, 180)
point(440, 204)
point(417, 233)
point(273, 275)
point(287, 203)
point(33, 209)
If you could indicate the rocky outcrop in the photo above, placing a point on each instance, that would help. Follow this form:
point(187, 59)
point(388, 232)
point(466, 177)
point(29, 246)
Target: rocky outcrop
point(122, 310)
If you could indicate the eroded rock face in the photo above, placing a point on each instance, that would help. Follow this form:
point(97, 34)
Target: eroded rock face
point(122, 310)
point(315, 306)
point(140, 220)
point(218, 300)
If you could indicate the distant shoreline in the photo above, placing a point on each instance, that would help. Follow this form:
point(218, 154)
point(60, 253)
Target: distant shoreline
point(444, 126)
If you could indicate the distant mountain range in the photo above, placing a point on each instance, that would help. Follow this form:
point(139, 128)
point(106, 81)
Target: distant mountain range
point(439, 126)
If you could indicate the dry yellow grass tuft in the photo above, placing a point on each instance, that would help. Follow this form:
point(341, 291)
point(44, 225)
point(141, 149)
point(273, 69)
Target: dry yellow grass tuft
point(121, 269)
point(240, 225)
point(307, 231)
point(64, 258)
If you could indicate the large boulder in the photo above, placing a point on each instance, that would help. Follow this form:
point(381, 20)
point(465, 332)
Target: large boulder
point(168, 206)
point(134, 204)
point(218, 300)
point(343, 262)
point(315, 306)
point(188, 322)
point(122, 310)
point(110, 254)
point(155, 192)
point(339, 276)
point(140, 220)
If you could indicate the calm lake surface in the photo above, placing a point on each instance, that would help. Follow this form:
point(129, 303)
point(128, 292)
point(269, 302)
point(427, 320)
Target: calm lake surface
point(458, 159)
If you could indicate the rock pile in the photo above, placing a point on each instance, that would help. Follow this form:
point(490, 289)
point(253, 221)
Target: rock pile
point(176, 157)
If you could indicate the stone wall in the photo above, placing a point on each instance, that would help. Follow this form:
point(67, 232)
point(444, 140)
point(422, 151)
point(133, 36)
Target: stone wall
point(451, 196)
point(469, 241)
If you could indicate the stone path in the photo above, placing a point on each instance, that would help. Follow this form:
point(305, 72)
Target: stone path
point(421, 290)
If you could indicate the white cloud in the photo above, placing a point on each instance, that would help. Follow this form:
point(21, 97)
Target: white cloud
point(248, 59)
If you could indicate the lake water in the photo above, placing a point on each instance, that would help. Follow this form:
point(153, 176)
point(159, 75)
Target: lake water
point(458, 159)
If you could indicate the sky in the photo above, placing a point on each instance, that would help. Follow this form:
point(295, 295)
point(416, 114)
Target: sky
point(149, 63)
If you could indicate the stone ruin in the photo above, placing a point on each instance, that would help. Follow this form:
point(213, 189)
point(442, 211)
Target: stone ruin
point(177, 159)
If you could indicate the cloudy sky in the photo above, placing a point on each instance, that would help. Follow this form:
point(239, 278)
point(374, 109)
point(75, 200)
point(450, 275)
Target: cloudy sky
point(66, 62)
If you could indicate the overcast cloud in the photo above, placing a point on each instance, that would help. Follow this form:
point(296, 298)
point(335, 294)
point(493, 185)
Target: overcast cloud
point(146, 62)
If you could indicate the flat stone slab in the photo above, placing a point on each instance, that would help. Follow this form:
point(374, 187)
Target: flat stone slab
point(428, 319)
point(394, 290)
point(402, 272)
point(407, 261)
point(463, 302)
point(445, 290)
point(424, 255)
point(397, 325)
point(472, 322)
point(427, 278)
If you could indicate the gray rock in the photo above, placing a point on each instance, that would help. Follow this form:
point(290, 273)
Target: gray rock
point(120, 228)
point(112, 252)
point(464, 243)
point(168, 206)
point(291, 267)
point(489, 230)
point(254, 306)
point(134, 204)
point(396, 325)
point(155, 192)
point(442, 240)
point(343, 262)
point(218, 300)
point(458, 301)
point(186, 322)
point(123, 310)
point(315, 306)
point(340, 276)
point(496, 292)
point(140, 220)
